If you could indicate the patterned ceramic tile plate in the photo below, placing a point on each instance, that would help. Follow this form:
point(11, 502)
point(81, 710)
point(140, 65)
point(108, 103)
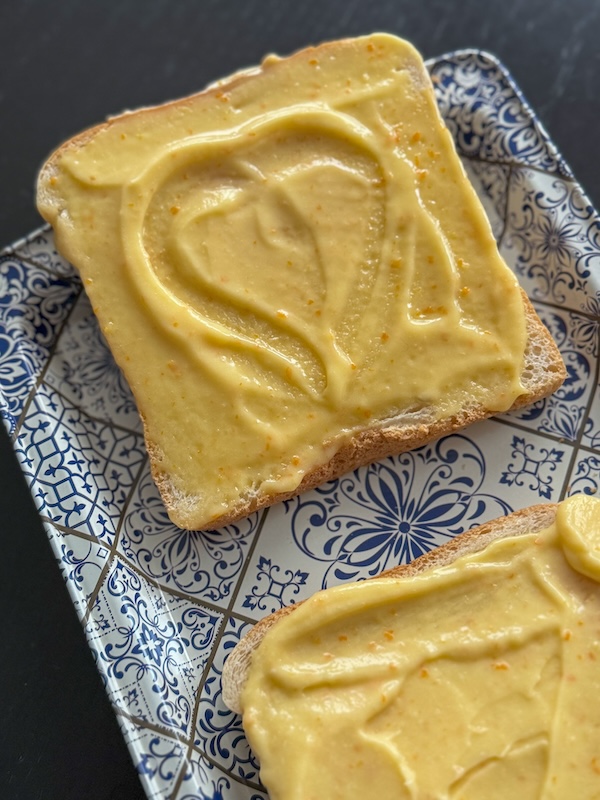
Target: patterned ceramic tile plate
point(161, 607)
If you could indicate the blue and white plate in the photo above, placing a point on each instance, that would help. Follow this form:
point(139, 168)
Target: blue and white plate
point(161, 607)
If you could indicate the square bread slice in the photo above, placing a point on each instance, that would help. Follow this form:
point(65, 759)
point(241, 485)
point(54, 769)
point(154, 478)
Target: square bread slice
point(295, 276)
point(469, 673)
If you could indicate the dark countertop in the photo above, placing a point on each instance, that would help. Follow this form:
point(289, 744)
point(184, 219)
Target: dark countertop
point(67, 65)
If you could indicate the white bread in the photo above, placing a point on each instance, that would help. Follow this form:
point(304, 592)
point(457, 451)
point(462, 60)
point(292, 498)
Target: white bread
point(543, 372)
point(526, 521)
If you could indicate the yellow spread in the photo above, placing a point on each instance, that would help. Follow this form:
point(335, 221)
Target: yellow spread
point(291, 257)
point(479, 680)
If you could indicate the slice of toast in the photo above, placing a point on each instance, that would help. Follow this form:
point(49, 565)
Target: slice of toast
point(528, 520)
point(295, 276)
point(470, 673)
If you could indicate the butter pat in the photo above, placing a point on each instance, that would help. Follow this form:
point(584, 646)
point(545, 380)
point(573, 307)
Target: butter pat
point(473, 681)
point(287, 259)
point(579, 521)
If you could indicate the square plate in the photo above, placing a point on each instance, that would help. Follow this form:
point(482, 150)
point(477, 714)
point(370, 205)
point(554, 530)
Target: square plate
point(162, 607)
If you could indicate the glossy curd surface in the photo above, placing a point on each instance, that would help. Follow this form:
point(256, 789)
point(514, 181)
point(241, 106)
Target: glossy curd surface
point(473, 681)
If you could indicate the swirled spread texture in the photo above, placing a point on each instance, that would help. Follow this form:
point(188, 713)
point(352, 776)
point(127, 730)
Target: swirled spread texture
point(285, 260)
point(478, 680)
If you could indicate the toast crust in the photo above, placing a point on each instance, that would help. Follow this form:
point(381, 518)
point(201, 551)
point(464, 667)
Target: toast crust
point(519, 523)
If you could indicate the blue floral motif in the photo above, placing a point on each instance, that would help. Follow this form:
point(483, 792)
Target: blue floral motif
point(552, 238)
point(591, 305)
point(577, 338)
point(83, 369)
point(591, 432)
point(154, 654)
point(562, 413)
point(395, 510)
point(148, 648)
point(81, 561)
point(277, 584)
point(33, 305)
point(487, 114)
point(533, 467)
point(563, 419)
point(585, 478)
point(162, 759)
point(76, 563)
point(39, 248)
point(80, 470)
point(584, 334)
point(215, 793)
point(219, 731)
point(209, 783)
point(204, 564)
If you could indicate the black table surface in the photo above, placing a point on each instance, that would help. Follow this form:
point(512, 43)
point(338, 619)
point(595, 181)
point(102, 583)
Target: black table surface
point(68, 64)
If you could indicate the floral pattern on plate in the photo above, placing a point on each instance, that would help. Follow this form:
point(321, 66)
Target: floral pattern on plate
point(83, 370)
point(487, 114)
point(205, 565)
point(205, 780)
point(162, 608)
point(81, 561)
point(80, 470)
point(38, 248)
point(219, 731)
point(563, 413)
point(33, 306)
point(552, 241)
point(585, 475)
point(151, 647)
point(591, 432)
point(157, 757)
